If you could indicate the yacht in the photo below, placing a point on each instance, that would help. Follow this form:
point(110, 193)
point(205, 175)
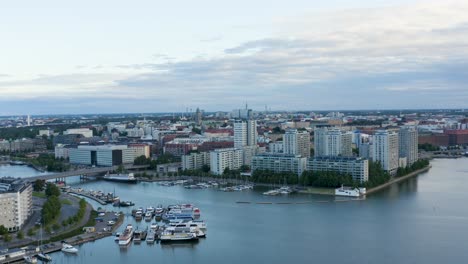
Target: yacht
point(137, 235)
point(285, 190)
point(154, 227)
point(351, 192)
point(271, 192)
point(188, 223)
point(148, 216)
point(126, 236)
point(44, 257)
point(30, 259)
point(151, 237)
point(138, 215)
point(67, 248)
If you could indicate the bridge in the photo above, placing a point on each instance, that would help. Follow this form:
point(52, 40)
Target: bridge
point(89, 171)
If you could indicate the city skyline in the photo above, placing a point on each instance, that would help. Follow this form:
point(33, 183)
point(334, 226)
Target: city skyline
point(291, 56)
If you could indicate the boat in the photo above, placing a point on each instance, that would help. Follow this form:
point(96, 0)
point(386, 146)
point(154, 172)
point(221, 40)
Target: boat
point(30, 259)
point(151, 237)
point(173, 236)
point(285, 190)
point(351, 192)
point(138, 215)
point(150, 210)
point(126, 203)
point(116, 238)
point(44, 257)
point(154, 227)
point(126, 236)
point(188, 223)
point(137, 236)
point(148, 216)
point(271, 192)
point(67, 248)
point(127, 178)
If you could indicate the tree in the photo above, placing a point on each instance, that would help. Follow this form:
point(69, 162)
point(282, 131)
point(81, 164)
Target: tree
point(196, 130)
point(39, 185)
point(20, 235)
point(52, 190)
point(7, 238)
point(206, 168)
point(141, 160)
point(31, 232)
point(120, 169)
point(3, 230)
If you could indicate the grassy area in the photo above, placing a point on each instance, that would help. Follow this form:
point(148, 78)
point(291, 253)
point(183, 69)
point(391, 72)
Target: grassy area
point(66, 201)
point(77, 231)
point(323, 191)
point(39, 195)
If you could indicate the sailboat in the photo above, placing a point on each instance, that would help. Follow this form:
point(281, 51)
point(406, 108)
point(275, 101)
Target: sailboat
point(43, 256)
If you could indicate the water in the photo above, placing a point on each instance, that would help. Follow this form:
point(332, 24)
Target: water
point(422, 220)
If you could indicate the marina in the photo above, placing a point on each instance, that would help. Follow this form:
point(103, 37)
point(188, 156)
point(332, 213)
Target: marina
point(413, 206)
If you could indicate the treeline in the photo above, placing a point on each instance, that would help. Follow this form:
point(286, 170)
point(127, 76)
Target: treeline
point(31, 132)
point(428, 147)
point(422, 163)
point(49, 163)
point(162, 159)
point(51, 208)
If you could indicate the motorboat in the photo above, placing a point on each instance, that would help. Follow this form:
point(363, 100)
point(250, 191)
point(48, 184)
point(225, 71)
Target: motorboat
point(138, 215)
point(148, 216)
point(151, 237)
point(137, 236)
point(44, 257)
point(126, 236)
point(117, 236)
point(127, 178)
point(67, 248)
point(30, 259)
point(154, 227)
point(271, 192)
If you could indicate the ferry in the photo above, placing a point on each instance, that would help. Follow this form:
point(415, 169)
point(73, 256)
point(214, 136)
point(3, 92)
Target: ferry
point(126, 236)
point(127, 178)
point(188, 223)
point(172, 236)
point(181, 229)
point(351, 192)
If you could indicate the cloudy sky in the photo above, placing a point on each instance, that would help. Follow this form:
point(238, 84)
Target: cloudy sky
point(166, 56)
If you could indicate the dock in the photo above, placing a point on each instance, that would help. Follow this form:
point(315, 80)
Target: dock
point(88, 196)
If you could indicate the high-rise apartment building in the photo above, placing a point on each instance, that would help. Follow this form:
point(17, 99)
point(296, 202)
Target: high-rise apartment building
point(297, 142)
point(385, 149)
point(220, 159)
point(332, 142)
point(357, 167)
point(408, 144)
point(245, 133)
point(195, 161)
point(15, 202)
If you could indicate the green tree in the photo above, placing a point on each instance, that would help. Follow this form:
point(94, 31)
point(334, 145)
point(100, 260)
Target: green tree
point(142, 160)
point(3, 230)
point(206, 168)
point(31, 233)
point(7, 238)
point(20, 235)
point(52, 190)
point(39, 185)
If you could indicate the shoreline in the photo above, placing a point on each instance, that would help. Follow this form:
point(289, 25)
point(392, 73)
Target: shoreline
point(397, 180)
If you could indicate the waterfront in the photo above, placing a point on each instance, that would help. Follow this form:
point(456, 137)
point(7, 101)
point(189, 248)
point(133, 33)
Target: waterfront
point(421, 220)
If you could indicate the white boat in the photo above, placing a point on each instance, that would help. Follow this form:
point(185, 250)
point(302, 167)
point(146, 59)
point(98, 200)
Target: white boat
point(174, 236)
point(154, 227)
point(126, 236)
point(148, 216)
point(129, 178)
point(117, 236)
point(30, 259)
point(271, 192)
point(44, 257)
point(151, 237)
point(351, 192)
point(188, 223)
point(67, 248)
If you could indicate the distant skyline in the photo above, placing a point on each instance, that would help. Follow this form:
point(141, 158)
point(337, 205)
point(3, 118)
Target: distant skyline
point(159, 56)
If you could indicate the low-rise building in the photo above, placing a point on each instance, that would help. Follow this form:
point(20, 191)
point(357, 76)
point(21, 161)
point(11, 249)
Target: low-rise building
point(358, 168)
point(101, 155)
point(85, 132)
point(15, 202)
point(278, 162)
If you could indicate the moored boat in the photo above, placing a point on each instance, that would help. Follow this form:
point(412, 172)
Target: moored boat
point(127, 178)
point(126, 236)
point(30, 259)
point(67, 248)
point(44, 257)
point(172, 236)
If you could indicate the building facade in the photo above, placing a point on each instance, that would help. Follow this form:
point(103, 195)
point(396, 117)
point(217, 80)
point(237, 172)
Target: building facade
point(15, 202)
point(101, 155)
point(195, 161)
point(297, 142)
point(385, 149)
point(408, 144)
point(220, 159)
point(330, 141)
point(358, 168)
point(277, 162)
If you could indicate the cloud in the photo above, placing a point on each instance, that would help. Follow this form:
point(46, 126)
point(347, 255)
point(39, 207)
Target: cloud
point(392, 57)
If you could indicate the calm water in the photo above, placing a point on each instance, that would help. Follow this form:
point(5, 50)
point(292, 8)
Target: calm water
point(423, 220)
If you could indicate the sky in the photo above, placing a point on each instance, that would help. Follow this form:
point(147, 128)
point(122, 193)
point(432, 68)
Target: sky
point(110, 56)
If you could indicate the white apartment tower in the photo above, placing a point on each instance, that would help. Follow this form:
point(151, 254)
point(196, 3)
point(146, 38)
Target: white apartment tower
point(385, 149)
point(408, 144)
point(297, 143)
point(332, 142)
point(245, 133)
point(220, 159)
